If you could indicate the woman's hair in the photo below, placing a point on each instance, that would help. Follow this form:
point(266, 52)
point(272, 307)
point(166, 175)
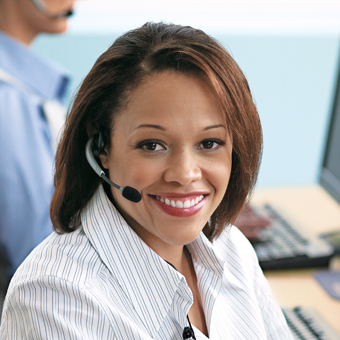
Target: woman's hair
point(151, 49)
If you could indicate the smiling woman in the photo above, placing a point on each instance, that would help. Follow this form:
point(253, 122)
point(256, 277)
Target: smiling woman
point(167, 111)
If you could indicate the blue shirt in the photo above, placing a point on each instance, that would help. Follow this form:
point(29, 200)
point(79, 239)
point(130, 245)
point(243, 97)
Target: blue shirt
point(26, 156)
point(103, 282)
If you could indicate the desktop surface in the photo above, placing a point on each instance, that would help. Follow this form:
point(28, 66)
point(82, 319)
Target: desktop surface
point(299, 288)
point(312, 208)
point(309, 206)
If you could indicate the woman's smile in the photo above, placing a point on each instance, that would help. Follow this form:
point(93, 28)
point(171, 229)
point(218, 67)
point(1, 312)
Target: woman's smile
point(180, 206)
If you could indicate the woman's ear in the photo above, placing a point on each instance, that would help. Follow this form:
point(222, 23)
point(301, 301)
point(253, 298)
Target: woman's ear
point(104, 158)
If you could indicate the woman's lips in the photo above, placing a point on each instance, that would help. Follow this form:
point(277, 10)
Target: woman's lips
point(180, 206)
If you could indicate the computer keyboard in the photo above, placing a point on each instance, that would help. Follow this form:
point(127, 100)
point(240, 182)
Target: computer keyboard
point(308, 324)
point(284, 246)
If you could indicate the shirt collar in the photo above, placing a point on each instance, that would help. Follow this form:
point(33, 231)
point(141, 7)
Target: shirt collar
point(207, 255)
point(129, 259)
point(204, 254)
point(46, 79)
point(148, 281)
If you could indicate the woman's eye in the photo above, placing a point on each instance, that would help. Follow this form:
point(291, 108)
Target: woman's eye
point(210, 144)
point(151, 146)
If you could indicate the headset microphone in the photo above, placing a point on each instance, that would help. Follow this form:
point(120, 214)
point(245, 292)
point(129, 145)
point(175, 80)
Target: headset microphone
point(42, 8)
point(129, 193)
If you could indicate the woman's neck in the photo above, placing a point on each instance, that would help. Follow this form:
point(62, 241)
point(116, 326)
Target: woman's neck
point(179, 259)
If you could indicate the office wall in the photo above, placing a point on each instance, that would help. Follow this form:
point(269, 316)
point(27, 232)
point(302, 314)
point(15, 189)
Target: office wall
point(291, 76)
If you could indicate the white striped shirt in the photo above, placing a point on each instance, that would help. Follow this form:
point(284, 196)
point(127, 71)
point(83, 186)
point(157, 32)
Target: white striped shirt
point(103, 282)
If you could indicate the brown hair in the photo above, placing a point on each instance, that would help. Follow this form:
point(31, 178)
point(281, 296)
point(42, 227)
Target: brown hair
point(150, 49)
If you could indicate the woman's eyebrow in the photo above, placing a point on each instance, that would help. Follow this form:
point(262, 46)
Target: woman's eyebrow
point(150, 126)
point(215, 127)
point(159, 127)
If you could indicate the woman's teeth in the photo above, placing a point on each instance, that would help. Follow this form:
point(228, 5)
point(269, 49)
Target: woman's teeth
point(180, 204)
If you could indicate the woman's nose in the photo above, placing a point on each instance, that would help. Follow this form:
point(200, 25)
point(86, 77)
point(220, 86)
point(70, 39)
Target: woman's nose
point(183, 167)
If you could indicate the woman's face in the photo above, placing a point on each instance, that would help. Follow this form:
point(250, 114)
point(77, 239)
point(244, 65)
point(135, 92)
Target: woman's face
point(171, 143)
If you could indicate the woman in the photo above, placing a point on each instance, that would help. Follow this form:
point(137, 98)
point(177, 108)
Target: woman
point(166, 112)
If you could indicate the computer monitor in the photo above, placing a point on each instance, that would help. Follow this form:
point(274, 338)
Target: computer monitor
point(330, 170)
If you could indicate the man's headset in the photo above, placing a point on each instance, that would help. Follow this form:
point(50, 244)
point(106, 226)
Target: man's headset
point(42, 8)
point(93, 148)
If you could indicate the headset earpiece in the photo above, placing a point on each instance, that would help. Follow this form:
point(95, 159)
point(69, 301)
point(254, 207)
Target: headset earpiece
point(98, 144)
point(94, 146)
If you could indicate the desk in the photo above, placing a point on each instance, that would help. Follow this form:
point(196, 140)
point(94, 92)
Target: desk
point(312, 208)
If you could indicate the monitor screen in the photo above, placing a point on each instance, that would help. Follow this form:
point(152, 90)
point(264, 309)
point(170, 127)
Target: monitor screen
point(330, 171)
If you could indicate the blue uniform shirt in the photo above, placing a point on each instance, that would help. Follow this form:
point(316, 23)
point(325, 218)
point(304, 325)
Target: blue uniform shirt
point(26, 156)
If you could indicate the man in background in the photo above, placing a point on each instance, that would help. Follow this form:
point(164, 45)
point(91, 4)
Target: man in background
point(31, 91)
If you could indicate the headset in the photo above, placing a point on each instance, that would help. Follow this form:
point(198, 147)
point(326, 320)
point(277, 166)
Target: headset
point(42, 8)
point(93, 148)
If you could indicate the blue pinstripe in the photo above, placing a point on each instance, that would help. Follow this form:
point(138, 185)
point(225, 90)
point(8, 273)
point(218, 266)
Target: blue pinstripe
point(103, 282)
